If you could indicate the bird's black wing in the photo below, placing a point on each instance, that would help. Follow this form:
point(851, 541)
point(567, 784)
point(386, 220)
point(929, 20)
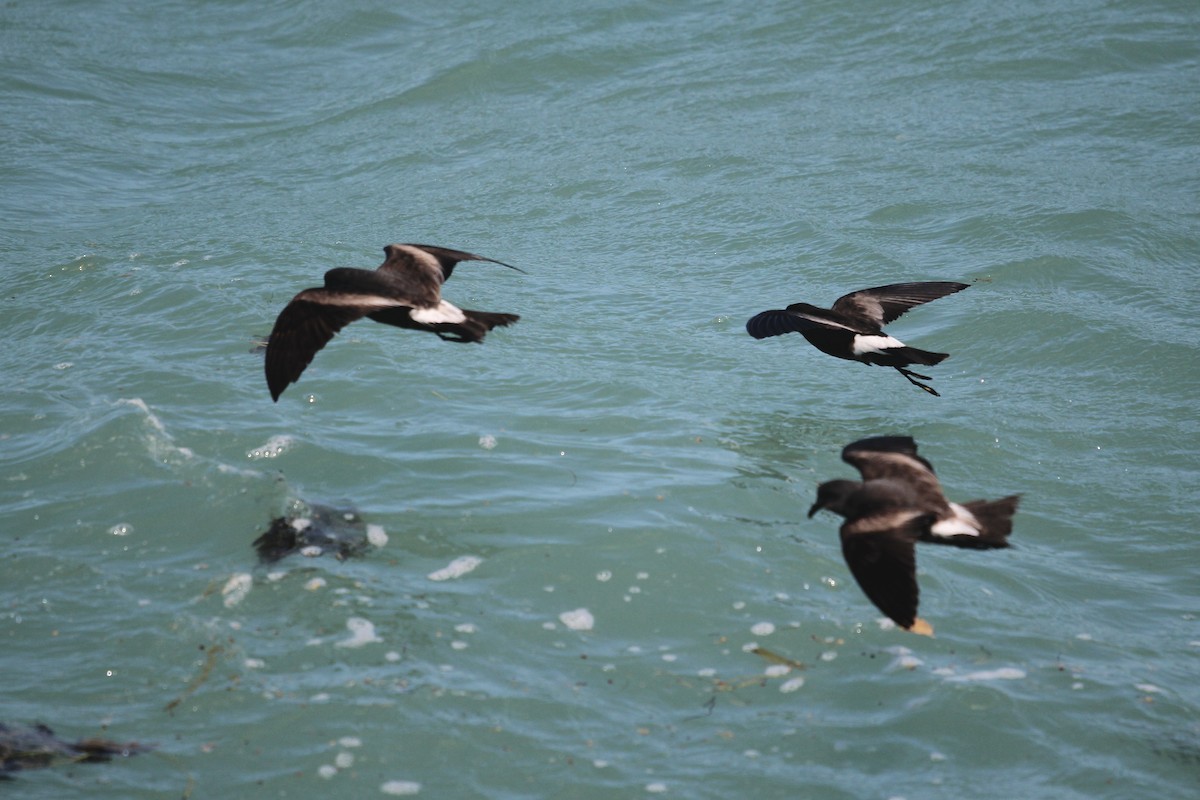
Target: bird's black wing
point(412, 273)
point(305, 326)
point(881, 554)
point(895, 458)
point(882, 304)
point(796, 318)
point(448, 257)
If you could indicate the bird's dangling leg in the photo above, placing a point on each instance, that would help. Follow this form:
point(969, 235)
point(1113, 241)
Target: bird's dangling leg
point(910, 376)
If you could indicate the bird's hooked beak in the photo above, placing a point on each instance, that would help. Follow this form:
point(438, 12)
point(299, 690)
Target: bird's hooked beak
point(817, 506)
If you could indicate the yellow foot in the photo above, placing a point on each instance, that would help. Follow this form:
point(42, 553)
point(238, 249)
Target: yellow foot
point(922, 627)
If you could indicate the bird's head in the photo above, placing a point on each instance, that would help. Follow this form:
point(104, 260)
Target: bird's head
point(832, 495)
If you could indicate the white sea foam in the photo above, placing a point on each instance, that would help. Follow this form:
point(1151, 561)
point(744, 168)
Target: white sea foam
point(362, 632)
point(236, 588)
point(274, 447)
point(376, 535)
point(578, 620)
point(1001, 674)
point(456, 568)
point(792, 684)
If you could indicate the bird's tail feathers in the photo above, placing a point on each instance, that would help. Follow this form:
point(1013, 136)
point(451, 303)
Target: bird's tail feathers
point(977, 525)
point(995, 519)
point(914, 355)
point(491, 319)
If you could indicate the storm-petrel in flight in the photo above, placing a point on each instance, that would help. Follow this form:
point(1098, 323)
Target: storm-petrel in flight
point(405, 291)
point(899, 503)
point(853, 328)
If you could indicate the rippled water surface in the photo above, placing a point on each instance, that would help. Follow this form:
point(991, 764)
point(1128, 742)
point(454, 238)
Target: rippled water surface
point(594, 519)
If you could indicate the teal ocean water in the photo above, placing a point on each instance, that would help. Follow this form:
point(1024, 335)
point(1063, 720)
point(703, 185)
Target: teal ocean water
point(595, 518)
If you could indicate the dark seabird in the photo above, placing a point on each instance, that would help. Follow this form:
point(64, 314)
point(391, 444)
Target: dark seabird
point(37, 747)
point(899, 503)
point(405, 291)
point(853, 328)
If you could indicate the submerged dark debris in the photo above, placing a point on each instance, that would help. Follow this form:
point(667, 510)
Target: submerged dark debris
point(323, 530)
point(37, 747)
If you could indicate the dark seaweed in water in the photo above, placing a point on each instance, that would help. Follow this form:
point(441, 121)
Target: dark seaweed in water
point(322, 530)
point(36, 747)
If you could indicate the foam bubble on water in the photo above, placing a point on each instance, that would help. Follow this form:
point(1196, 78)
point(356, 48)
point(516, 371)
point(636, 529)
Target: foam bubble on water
point(791, 684)
point(604, 575)
point(236, 588)
point(762, 628)
point(904, 658)
point(362, 632)
point(656, 787)
point(64, 365)
point(311, 551)
point(344, 760)
point(350, 741)
point(160, 443)
point(456, 568)
point(274, 447)
point(121, 529)
point(1001, 674)
point(777, 670)
point(400, 788)
point(487, 442)
point(578, 620)
point(315, 584)
point(466, 627)
point(140, 405)
point(254, 663)
point(1148, 688)
point(326, 771)
point(376, 535)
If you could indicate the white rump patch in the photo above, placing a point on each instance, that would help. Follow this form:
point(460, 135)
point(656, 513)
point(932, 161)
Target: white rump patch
point(963, 523)
point(874, 344)
point(442, 312)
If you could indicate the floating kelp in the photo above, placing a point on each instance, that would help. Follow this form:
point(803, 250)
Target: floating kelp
point(36, 747)
point(322, 530)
